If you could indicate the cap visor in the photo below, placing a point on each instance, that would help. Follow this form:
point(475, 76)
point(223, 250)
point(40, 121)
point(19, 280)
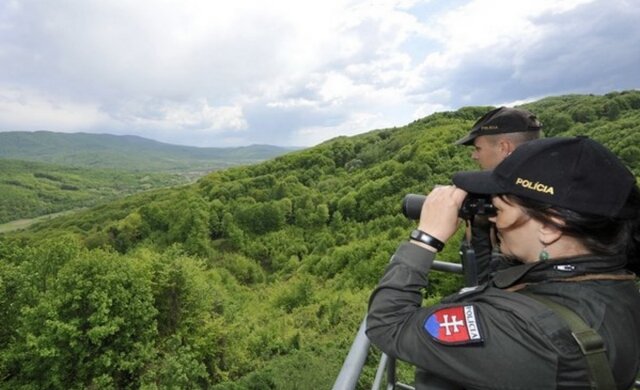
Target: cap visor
point(466, 140)
point(477, 182)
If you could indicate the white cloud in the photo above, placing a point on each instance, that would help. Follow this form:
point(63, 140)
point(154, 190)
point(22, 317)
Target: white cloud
point(204, 117)
point(274, 72)
point(494, 51)
point(25, 110)
point(336, 87)
point(494, 23)
point(352, 126)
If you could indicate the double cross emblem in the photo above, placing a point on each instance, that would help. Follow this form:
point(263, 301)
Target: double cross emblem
point(451, 325)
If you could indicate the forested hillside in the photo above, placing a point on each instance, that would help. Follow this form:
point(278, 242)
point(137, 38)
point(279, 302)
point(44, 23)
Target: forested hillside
point(30, 189)
point(125, 152)
point(255, 277)
point(44, 172)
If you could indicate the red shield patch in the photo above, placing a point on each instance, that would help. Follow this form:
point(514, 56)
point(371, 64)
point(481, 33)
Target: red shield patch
point(454, 325)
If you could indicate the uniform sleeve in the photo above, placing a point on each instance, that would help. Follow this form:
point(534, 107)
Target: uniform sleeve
point(499, 348)
point(398, 296)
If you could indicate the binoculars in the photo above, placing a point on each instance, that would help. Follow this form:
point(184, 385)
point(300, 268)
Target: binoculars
point(472, 205)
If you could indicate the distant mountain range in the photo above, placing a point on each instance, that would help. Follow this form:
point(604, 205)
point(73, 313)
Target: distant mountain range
point(127, 152)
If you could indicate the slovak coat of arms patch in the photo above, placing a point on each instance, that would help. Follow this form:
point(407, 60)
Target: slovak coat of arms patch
point(454, 325)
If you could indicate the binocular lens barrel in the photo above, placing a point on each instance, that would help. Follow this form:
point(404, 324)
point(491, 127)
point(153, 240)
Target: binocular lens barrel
point(472, 205)
point(412, 205)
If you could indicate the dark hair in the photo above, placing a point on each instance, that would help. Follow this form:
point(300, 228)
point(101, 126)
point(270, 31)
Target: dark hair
point(600, 235)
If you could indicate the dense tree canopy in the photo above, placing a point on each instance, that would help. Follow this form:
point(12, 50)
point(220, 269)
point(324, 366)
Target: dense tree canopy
point(255, 277)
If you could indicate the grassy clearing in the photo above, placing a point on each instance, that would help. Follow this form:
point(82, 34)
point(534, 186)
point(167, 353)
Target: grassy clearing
point(25, 223)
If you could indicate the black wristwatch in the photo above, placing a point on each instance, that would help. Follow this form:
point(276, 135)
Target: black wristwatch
point(426, 238)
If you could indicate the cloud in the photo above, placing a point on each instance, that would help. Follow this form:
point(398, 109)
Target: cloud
point(534, 49)
point(287, 72)
point(147, 64)
point(25, 110)
point(197, 116)
point(600, 63)
point(351, 126)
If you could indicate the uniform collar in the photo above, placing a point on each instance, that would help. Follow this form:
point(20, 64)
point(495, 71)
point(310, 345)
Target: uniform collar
point(558, 269)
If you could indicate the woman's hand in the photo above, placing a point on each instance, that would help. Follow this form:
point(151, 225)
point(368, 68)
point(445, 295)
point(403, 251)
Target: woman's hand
point(439, 215)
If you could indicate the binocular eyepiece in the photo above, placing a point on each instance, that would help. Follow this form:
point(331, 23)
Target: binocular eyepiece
point(473, 204)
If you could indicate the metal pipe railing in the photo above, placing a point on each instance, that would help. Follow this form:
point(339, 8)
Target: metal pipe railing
point(445, 266)
point(352, 367)
point(377, 381)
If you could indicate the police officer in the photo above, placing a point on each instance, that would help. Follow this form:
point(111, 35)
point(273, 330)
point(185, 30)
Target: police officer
point(495, 136)
point(567, 214)
point(498, 133)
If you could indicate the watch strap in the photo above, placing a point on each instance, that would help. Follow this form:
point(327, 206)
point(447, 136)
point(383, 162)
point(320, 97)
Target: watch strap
point(427, 238)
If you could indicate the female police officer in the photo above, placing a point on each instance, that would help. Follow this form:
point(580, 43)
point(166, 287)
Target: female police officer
point(567, 213)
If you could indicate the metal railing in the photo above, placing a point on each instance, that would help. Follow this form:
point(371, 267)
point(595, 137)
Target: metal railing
point(353, 364)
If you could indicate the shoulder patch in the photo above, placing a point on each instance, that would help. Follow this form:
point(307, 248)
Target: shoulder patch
point(454, 325)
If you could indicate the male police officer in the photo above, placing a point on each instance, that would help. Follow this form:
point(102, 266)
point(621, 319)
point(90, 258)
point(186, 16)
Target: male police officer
point(494, 136)
point(498, 133)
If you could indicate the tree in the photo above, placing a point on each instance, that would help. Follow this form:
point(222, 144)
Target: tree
point(192, 335)
point(630, 155)
point(612, 110)
point(348, 205)
point(261, 218)
point(303, 211)
point(127, 232)
point(190, 224)
point(95, 327)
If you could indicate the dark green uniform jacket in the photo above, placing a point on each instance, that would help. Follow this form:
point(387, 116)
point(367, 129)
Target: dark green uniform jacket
point(492, 337)
point(481, 243)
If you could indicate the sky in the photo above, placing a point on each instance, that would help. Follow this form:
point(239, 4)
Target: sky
point(220, 73)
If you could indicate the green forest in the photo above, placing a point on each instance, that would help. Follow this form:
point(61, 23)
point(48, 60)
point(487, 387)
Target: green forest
point(31, 189)
point(127, 152)
point(44, 172)
point(254, 277)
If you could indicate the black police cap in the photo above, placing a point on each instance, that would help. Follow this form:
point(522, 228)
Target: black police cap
point(499, 121)
point(577, 173)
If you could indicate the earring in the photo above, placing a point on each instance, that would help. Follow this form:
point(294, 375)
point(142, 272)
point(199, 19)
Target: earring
point(544, 255)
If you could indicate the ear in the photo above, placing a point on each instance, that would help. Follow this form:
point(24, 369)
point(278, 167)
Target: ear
point(548, 234)
point(506, 146)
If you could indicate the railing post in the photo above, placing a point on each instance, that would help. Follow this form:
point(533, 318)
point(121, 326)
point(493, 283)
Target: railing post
point(377, 382)
point(352, 366)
